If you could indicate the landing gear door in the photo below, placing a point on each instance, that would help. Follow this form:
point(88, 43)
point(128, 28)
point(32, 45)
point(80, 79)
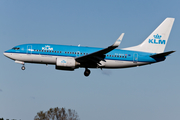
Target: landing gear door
point(29, 49)
point(135, 58)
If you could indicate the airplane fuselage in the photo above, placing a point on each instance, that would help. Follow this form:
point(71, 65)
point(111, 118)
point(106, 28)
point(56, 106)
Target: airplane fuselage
point(48, 54)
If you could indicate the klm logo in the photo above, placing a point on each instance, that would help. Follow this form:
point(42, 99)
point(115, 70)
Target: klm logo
point(63, 61)
point(118, 40)
point(157, 40)
point(47, 47)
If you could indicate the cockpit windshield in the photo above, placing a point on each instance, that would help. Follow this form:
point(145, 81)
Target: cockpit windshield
point(15, 48)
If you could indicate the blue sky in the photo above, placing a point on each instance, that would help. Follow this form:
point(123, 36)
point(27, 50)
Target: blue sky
point(146, 92)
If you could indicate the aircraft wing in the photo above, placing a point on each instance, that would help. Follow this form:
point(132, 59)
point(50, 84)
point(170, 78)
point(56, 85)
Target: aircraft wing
point(100, 55)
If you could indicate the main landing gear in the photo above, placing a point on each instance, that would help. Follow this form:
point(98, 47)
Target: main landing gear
point(23, 67)
point(87, 72)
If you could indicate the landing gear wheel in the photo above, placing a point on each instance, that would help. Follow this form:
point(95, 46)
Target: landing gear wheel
point(87, 72)
point(23, 68)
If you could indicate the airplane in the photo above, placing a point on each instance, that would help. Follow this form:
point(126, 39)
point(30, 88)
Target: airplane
point(66, 57)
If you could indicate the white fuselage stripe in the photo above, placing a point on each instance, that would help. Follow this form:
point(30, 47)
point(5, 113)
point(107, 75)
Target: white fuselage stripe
point(49, 59)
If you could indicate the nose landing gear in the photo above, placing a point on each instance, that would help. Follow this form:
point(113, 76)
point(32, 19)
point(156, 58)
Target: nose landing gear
point(23, 67)
point(87, 72)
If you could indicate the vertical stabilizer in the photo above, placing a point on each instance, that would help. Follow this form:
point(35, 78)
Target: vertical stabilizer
point(157, 40)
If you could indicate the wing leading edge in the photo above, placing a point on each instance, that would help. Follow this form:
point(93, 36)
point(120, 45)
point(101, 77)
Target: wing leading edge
point(95, 57)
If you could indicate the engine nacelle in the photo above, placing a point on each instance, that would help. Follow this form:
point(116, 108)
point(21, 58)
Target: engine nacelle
point(66, 63)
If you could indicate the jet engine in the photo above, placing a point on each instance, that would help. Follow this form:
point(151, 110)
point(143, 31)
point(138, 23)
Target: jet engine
point(66, 63)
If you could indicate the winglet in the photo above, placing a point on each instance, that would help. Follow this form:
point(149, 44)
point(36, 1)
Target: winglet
point(118, 41)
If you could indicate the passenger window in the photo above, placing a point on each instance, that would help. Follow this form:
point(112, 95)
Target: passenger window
point(122, 56)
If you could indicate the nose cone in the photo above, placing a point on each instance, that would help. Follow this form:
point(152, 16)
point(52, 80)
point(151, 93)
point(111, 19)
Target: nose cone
point(7, 54)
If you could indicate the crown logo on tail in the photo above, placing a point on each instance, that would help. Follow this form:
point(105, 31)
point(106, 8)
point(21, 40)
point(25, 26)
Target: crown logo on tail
point(157, 36)
point(157, 40)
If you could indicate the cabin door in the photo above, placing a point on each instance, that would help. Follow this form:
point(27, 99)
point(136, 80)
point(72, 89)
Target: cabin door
point(135, 58)
point(78, 53)
point(29, 49)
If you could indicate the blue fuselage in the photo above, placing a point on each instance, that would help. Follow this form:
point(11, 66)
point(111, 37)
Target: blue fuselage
point(77, 51)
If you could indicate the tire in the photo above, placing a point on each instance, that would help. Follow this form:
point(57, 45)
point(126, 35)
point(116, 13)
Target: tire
point(87, 72)
point(23, 68)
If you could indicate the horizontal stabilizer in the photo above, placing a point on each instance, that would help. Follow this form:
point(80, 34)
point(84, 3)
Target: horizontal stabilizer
point(162, 54)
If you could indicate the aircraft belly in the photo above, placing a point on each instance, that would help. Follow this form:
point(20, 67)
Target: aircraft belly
point(31, 58)
point(122, 64)
point(48, 59)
